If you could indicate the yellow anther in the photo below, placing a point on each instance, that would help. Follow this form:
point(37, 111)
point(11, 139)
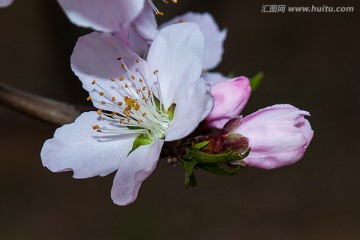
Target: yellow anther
point(120, 103)
point(102, 102)
point(126, 85)
point(95, 127)
point(139, 121)
point(99, 111)
point(113, 99)
point(132, 77)
point(137, 60)
point(121, 78)
point(103, 118)
point(126, 112)
point(158, 13)
point(123, 66)
point(129, 101)
point(140, 80)
point(180, 20)
point(88, 98)
point(136, 106)
point(156, 71)
point(144, 88)
point(101, 93)
point(144, 114)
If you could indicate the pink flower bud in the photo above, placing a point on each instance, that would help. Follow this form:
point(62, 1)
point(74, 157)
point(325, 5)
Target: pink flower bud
point(278, 136)
point(230, 97)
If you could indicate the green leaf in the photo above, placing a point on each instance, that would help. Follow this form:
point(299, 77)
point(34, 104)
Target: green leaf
point(141, 140)
point(218, 169)
point(188, 170)
point(201, 145)
point(171, 111)
point(255, 81)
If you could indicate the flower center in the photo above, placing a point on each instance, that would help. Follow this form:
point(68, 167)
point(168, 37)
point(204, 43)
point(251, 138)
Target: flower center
point(156, 10)
point(132, 103)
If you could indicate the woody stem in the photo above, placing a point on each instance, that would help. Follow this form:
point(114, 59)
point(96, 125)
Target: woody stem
point(41, 108)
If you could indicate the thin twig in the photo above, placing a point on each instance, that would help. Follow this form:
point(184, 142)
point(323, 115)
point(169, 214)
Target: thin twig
point(41, 108)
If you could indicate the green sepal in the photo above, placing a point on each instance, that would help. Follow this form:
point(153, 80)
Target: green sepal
point(255, 81)
point(141, 140)
point(188, 170)
point(171, 111)
point(218, 169)
point(231, 75)
point(201, 145)
point(157, 103)
point(201, 157)
point(209, 162)
point(193, 181)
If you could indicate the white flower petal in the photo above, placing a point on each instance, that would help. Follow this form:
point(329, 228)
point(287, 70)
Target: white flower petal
point(214, 38)
point(133, 171)
point(105, 16)
point(95, 57)
point(191, 108)
point(5, 3)
point(79, 148)
point(145, 24)
point(177, 52)
point(215, 77)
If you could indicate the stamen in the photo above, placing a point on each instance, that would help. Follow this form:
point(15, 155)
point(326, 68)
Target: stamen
point(157, 12)
point(139, 107)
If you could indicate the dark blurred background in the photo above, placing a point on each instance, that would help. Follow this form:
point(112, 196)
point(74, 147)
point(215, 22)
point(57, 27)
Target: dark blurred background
point(310, 60)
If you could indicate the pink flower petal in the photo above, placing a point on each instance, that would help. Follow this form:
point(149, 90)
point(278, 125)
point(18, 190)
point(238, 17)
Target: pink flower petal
point(278, 136)
point(230, 98)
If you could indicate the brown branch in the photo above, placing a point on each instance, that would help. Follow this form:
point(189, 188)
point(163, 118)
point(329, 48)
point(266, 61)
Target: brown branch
point(41, 108)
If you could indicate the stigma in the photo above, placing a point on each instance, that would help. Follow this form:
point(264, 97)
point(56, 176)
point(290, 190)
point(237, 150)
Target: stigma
point(129, 103)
